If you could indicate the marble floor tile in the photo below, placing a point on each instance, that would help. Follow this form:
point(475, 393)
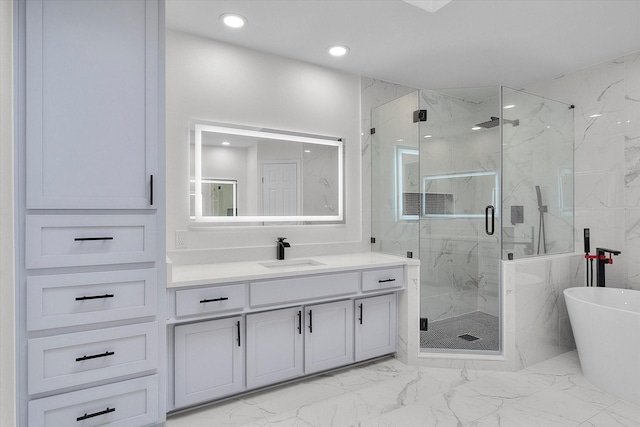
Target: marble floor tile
point(387, 393)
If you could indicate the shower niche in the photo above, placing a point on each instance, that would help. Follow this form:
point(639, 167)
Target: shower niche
point(487, 176)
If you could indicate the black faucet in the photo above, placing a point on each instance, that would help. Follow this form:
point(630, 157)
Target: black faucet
point(280, 246)
point(602, 261)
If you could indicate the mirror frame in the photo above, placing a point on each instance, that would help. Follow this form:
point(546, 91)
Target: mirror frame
point(200, 127)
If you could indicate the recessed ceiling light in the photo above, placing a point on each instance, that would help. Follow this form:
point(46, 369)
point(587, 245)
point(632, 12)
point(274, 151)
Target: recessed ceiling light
point(428, 136)
point(338, 50)
point(307, 151)
point(595, 115)
point(226, 143)
point(506, 107)
point(476, 128)
point(233, 20)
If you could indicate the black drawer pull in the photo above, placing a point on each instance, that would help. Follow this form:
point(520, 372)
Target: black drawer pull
point(310, 321)
point(386, 280)
point(96, 414)
point(151, 190)
point(89, 239)
point(299, 322)
point(360, 318)
point(95, 297)
point(202, 301)
point(95, 356)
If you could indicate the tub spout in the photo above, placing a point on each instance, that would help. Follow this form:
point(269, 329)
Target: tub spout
point(602, 261)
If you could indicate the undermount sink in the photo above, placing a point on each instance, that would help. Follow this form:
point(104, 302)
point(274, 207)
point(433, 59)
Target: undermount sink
point(290, 264)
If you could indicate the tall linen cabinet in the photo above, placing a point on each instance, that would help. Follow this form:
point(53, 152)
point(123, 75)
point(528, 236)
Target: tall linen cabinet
point(91, 276)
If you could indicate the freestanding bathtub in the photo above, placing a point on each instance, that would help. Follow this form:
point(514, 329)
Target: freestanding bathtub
point(606, 327)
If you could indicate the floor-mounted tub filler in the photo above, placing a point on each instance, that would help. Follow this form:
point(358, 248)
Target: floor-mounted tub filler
point(606, 327)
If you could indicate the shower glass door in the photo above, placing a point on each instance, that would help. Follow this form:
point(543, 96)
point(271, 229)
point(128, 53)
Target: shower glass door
point(459, 219)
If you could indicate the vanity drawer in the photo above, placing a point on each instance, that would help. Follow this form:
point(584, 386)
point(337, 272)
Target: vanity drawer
point(79, 358)
point(131, 403)
point(303, 288)
point(373, 280)
point(75, 240)
point(210, 300)
point(79, 299)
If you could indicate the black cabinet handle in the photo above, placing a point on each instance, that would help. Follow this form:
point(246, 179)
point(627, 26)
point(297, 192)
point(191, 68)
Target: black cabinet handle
point(238, 325)
point(360, 319)
point(95, 297)
point(95, 356)
point(299, 322)
point(95, 414)
point(386, 280)
point(486, 219)
point(151, 190)
point(202, 301)
point(310, 321)
point(88, 239)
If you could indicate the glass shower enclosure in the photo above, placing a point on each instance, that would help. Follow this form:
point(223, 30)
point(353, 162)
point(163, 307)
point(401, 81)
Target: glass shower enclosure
point(463, 178)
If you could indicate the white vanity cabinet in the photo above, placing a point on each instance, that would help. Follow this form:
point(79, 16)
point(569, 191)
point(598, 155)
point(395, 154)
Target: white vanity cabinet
point(376, 326)
point(91, 104)
point(274, 346)
point(209, 360)
point(239, 336)
point(92, 274)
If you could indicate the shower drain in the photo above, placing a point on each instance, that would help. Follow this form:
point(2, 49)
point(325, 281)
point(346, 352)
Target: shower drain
point(468, 337)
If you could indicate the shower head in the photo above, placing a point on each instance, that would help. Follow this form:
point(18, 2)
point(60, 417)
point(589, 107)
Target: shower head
point(495, 121)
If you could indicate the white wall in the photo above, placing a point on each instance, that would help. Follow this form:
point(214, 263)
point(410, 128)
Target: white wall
point(7, 371)
point(607, 159)
point(209, 80)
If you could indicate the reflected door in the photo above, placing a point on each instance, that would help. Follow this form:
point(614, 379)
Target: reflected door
point(280, 189)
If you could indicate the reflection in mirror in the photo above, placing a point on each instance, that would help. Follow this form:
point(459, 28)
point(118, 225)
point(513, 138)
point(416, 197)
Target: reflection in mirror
point(243, 174)
point(408, 183)
point(218, 197)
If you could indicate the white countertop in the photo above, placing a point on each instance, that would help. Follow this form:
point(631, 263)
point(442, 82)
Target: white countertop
point(216, 273)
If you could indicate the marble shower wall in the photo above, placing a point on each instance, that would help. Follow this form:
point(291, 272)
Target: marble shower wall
point(536, 321)
point(607, 159)
point(394, 131)
point(374, 93)
point(538, 151)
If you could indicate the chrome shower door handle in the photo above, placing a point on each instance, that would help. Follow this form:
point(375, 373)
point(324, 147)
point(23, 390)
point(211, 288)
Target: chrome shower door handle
point(486, 219)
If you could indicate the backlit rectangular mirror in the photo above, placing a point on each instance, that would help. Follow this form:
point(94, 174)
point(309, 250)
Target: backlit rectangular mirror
point(241, 174)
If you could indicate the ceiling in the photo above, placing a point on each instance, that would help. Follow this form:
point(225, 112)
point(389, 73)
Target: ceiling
point(467, 43)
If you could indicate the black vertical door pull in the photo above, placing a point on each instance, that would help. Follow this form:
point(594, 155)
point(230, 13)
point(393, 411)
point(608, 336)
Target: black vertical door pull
point(310, 321)
point(299, 322)
point(360, 319)
point(486, 220)
point(238, 325)
point(151, 190)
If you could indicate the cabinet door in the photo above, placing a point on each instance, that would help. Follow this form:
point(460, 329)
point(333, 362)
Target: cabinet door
point(92, 103)
point(208, 360)
point(328, 336)
point(376, 326)
point(274, 346)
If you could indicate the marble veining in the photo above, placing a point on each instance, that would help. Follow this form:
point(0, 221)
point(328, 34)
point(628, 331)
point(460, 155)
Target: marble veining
point(391, 394)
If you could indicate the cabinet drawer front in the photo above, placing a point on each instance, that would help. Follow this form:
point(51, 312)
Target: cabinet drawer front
point(303, 288)
point(210, 300)
point(73, 240)
point(374, 280)
point(79, 299)
point(131, 403)
point(73, 359)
